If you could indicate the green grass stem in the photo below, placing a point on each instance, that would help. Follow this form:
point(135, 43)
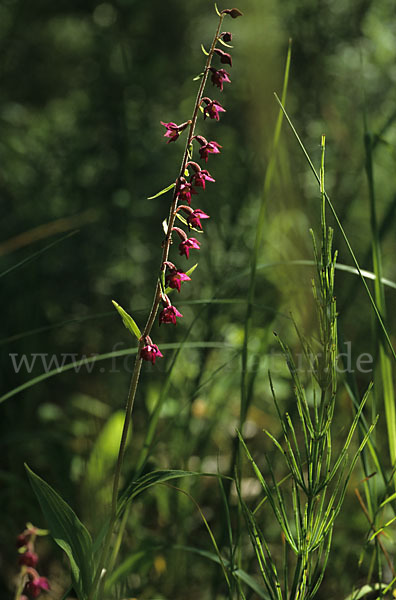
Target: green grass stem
point(343, 233)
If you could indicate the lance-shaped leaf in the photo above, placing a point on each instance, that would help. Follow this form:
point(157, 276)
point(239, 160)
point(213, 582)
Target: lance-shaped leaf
point(171, 186)
point(143, 483)
point(225, 43)
point(68, 532)
point(128, 321)
point(190, 271)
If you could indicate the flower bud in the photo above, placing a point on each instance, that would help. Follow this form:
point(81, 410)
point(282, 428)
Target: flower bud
point(226, 36)
point(225, 58)
point(233, 12)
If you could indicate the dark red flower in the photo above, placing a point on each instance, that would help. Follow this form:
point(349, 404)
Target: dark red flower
point(225, 58)
point(36, 585)
point(175, 277)
point(207, 147)
point(28, 558)
point(185, 190)
point(199, 177)
point(233, 12)
point(194, 219)
point(186, 245)
point(173, 131)
point(226, 36)
point(212, 109)
point(219, 77)
point(169, 314)
point(150, 353)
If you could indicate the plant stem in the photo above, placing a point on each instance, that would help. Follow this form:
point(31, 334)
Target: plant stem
point(149, 324)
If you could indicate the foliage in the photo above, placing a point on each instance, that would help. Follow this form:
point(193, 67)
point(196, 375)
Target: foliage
point(84, 87)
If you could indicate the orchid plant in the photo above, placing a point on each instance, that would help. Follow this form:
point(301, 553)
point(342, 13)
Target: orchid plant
point(90, 562)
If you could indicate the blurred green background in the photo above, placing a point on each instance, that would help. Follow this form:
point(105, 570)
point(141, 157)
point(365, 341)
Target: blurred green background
point(83, 87)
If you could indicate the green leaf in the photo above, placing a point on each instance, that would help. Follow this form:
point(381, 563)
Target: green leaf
point(217, 10)
point(365, 591)
point(225, 43)
point(132, 563)
point(97, 481)
point(240, 573)
point(190, 271)
point(172, 185)
point(68, 532)
point(204, 51)
point(198, 77)
point(389, 499)
point(128, 321)
point(148, 480)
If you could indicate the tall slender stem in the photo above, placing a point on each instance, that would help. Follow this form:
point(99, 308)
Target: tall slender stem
point(150, 323)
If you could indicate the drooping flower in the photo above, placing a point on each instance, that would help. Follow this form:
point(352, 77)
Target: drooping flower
point(28, 558)
point(186, 245)
point(219, 77)
point(169, 314)
point(207, 147)
point(212, 108)
point(173, 130)
point(185, 190)
point(36, 585)
point(200, 177)
point(225, 58)
point(150, 352)
point(175, 277)
point(194, 219)
point(226, 36)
